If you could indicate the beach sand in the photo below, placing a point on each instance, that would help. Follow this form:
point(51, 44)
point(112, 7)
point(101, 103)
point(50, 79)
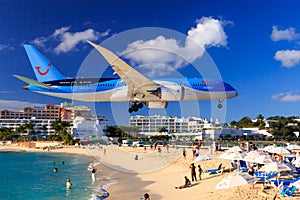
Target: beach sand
point(158, 174)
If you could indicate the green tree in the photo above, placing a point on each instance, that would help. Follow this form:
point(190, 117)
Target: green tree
point(44, 128)
point(162, 130)
point(29, 127)
point(60, 127)
point(5, 134)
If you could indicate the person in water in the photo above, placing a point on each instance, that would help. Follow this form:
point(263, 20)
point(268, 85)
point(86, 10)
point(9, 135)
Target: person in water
point(68, 184)
point(94, 174)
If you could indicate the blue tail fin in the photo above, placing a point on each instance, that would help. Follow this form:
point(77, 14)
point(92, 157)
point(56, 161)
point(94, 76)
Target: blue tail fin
point(43, 69)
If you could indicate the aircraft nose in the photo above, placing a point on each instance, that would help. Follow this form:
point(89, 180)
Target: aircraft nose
point(236, 93)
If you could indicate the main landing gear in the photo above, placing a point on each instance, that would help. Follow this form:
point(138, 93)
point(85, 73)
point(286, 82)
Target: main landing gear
point(135, 106)
point(220, 104)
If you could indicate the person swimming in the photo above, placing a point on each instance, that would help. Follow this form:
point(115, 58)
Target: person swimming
point(68, 184)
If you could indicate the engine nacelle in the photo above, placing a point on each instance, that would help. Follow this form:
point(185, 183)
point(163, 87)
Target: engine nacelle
point(157, 104)
point(174, 93)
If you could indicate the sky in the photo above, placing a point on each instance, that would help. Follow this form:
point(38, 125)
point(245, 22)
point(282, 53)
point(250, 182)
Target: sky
point(254, 45)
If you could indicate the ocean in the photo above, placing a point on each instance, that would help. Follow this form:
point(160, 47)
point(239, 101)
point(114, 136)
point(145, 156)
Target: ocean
point(26, 175)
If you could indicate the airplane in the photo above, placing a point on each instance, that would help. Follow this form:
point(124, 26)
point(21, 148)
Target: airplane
point(132, 86)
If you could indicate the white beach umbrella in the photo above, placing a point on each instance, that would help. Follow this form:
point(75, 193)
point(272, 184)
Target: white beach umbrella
point(232, 156)
point(296, 162)
point(235, 149)
point(203, 157)
point(280, 150)
point(293, 147)
point(264, 159)
point(275, 167)
point(270, 147)
point(236, 180)
point(252, 155)
point(296, 184)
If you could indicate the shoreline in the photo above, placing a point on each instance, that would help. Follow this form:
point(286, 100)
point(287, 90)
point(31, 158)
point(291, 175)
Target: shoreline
point(117, 163)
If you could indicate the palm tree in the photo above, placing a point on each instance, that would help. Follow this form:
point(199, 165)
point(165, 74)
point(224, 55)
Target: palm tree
point(29, 127)
point(44, 128)
point(60, 127)
point(20, 129)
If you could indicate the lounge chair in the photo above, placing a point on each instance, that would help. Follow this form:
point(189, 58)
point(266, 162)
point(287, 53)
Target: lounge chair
point(288, 191)
point(220, 169)
point(243, 166)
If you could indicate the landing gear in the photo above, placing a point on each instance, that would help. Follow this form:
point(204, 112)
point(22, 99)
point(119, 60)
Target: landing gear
point(135, 106)
point(220, 104)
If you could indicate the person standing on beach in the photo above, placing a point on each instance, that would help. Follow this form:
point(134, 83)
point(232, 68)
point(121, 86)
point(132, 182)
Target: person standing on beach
point(184, 153)
point(200, 172)
point(94, 174)
point(193, 172)
point(68, 184)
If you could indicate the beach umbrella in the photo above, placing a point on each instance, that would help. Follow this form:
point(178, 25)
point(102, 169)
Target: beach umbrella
point(276, 167)
point(270, 147)
point(293, 147)
point(203, 157)
point(264, 159)
point(280, 150)
point(232, 156)
point(252, 155)
point(236, 180)
point(296, 184)
point(235, 149)
point(296, 162)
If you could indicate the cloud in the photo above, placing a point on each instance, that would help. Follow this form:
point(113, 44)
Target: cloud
point(6, 47)
point(68, 40)
point(289, 34)
point(163, 51)
point(14, 105)
point(288, 58)
point(286, 97)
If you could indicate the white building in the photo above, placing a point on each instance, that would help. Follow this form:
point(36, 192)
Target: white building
point(152, 124)
point(89, 128)
point(188, 127)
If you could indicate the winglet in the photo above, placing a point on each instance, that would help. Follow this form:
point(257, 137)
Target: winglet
point(108, 55)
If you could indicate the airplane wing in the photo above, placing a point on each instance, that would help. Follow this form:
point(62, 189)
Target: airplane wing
point(32, 82)
point(138, 85)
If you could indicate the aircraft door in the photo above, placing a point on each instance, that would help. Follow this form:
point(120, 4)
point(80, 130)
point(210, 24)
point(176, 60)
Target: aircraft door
point(74, 86)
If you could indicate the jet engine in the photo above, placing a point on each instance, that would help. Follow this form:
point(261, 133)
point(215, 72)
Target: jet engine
point(157, 104)
point(173, 93)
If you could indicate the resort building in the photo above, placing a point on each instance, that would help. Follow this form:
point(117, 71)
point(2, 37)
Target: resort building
point(42, 118)
point(192, 127)
point(89, 128)
point(151, 125)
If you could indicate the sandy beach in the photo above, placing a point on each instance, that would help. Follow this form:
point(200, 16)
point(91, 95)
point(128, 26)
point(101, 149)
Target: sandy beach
point(158, 174)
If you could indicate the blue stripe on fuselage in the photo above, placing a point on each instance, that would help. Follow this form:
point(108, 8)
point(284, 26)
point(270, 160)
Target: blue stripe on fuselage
point(100, 85)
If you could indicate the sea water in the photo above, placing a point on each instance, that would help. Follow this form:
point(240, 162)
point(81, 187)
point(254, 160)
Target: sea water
point(25, 175)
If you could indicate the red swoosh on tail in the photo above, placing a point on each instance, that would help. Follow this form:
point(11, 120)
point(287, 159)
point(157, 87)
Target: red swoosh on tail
point(41, 73)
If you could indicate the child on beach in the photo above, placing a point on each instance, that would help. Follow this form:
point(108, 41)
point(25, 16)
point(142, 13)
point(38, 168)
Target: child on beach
point(200, 171)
